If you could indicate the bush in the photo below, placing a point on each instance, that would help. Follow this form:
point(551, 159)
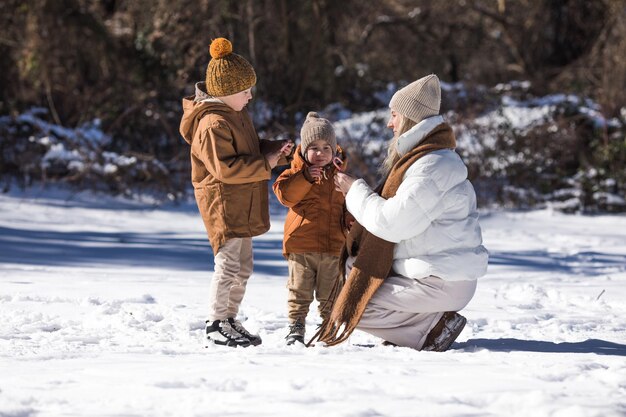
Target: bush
point(32, 149)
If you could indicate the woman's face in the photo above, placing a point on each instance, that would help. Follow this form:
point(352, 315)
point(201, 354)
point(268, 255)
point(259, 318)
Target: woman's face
point(319, 153)
point(395, 120)
point(238, 100)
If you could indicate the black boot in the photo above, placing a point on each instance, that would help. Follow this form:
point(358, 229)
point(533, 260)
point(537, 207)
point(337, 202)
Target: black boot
point(222, 333)
point(254, 339)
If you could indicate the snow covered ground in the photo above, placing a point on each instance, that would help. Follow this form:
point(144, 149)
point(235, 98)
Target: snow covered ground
point(102, 310)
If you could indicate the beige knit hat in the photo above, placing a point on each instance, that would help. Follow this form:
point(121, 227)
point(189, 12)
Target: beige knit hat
point(227, 72)
point(314, 128)
point(419, 100)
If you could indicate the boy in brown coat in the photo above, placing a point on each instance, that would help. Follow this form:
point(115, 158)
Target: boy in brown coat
point(315, 227)
point(230, 169)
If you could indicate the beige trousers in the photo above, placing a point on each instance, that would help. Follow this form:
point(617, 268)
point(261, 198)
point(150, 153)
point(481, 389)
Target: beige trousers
point(310, 274)
point(404, 310)
point(233, 267)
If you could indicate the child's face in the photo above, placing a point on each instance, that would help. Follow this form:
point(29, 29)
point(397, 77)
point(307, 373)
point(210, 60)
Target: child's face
point(319, 153)
point(238, 100)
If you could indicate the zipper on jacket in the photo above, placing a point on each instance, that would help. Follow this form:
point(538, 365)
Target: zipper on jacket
point(330, 212)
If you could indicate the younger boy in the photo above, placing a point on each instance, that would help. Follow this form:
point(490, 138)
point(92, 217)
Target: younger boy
point(230, 168)
point(315, 227)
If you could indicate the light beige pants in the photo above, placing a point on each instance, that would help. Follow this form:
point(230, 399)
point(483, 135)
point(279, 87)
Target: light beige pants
point(233, 267)
point(404, 310)
point(310, 274)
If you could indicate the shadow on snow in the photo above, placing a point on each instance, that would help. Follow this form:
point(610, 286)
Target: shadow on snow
point(599, 347)
point(577, 263)
point(158, 250)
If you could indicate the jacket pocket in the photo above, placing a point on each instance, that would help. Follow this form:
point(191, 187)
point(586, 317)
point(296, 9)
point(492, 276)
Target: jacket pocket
point(236, 203)
point(258, 208)
point(246, 210)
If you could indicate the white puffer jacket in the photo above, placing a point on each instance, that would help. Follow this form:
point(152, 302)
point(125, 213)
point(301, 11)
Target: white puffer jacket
point(432, 218)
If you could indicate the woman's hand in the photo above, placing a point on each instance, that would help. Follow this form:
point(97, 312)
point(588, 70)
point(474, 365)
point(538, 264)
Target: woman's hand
point(343, 182)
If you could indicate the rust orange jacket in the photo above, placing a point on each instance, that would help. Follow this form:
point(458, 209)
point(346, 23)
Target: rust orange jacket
point(316, 220)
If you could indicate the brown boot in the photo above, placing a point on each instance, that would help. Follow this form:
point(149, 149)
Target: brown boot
point(445, 332)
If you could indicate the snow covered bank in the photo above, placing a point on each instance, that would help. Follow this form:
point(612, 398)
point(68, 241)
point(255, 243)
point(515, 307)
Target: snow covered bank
point(523, 151)
point(102, 312)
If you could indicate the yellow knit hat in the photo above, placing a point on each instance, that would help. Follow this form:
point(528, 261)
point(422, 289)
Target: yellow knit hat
point(227, 72)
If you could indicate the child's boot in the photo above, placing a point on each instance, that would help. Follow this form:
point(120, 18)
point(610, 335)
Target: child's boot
point(296, 333)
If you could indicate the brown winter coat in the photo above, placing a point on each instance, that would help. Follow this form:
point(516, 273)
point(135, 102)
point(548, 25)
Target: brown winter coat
point(316, 221)
point(229, 171)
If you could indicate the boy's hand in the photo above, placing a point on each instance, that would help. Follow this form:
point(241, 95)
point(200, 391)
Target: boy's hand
point(286, 148)
point(274, 156)
point(282, 147)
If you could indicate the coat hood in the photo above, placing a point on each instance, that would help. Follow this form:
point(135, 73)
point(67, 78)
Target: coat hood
point(195, 107)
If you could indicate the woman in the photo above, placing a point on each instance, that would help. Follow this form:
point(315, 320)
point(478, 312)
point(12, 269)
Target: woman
point(415, 252)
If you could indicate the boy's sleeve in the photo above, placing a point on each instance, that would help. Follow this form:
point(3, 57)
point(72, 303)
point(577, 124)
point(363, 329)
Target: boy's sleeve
point(217, 151)
point(291, 186)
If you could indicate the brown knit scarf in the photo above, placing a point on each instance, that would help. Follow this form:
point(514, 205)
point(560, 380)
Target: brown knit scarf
point(374, 256)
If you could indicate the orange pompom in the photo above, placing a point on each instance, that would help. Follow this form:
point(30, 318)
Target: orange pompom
point(220, 47)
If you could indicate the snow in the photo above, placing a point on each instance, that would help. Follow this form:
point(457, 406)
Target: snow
point(102, 307)
point(57, 152)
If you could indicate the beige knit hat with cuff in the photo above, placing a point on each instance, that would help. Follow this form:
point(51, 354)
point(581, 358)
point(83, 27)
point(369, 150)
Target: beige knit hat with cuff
point(419, 100)
point(315, 128)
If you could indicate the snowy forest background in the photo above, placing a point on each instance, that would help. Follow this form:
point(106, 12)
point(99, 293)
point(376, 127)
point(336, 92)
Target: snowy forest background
point(536, 90)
